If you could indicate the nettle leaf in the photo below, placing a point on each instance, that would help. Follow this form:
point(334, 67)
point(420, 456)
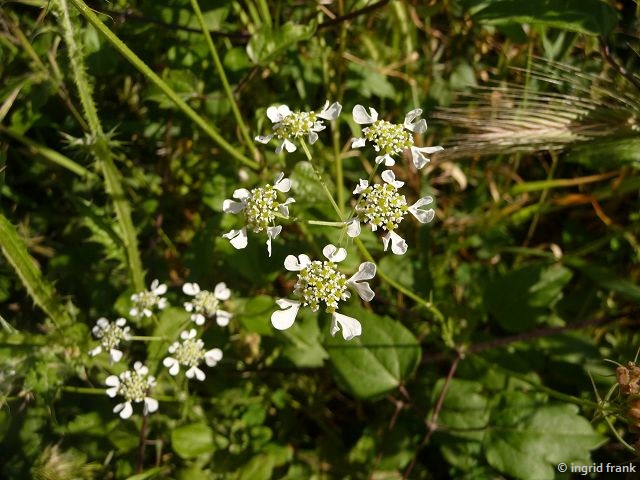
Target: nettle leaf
point(383, 357)
point(304, 349)
point(592, 17)
point(520, 300)
point(532, 447)
point(267, 43)
point(193, 440)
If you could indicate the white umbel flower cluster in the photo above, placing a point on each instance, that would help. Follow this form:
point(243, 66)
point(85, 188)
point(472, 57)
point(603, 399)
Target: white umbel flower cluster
point(110, 335)
point(320, 282)
point(206, 304)
point(288, 125)
point(190, 353)
point(390, 139)
point(145, 302)
point(382, 207)
point(261, 207)
point(134, 385)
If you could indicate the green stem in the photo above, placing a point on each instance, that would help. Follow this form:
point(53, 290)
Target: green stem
point(102, 151)
point(322, 183)
point(142, 67)
point(143, 338)
point(326, 224)
point(401, 288)
point(49, 154)
point(223, 78)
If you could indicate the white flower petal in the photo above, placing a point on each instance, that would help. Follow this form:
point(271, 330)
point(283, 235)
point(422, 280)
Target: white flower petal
point(95, 351)
point(390, 177)
point(264, 138)
point(198, 318)
point(283, 319)
point(277, 114)
point(172, 364)
point(222, 318)
point(160, 289)
point(241, 194)
point(238, 238)
point(191, 289)
point(398, 245)
point(199, 374)
point(419, 160)
point(361, 116)
point(121, 322)
point(334, 254)
point(125, 410)
point(294, 264)
point(361, 187)
point(358, 142)
point(358, 280)
point(150, 405)
point(221, 292)
point(282, 184)
point(230, 206)
point(272, 232)
point(313, 138)
point(353, 227)
point(350, 326)
point(102, 323)
point(386, 159)
point(330, 112)
point(423, 216)
point(115, 355)
point(287, 145)
point(213, 356)
point(284, 207)
point(134, 312)
point(411, 116)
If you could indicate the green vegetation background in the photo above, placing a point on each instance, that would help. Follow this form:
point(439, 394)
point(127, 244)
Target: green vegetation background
point(495, 365)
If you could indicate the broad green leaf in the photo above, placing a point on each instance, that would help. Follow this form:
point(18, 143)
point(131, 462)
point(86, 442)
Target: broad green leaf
point(593, 17)
point(383, 357)
point(255, 315)
point(259, 467)
point(529, 443)
point(520, 299)
point(465, 408)
point(267, 44)
point(150, 474)
point(190, 441)
point(304, 349)
point(399, 268)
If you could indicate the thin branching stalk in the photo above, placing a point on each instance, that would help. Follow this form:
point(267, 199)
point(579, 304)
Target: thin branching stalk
point(143, 68)
point(320, 179)
point(41, 291)
point(244, 131)
point(101, 148)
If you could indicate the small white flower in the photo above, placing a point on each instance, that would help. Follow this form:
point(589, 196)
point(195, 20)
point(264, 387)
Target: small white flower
point(391, 139)
point(190, 353)
point(144, 302)
point(110, 335)
point(206, 304)
point(260, 207)
point(134, 386)
point(288, 125)
point(320, 282)
point(381, 206)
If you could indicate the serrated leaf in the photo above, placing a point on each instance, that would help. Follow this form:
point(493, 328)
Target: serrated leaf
point(532, 447)
point(383, 357)
point(190, 441)
point(465, 409)
point(267, 43)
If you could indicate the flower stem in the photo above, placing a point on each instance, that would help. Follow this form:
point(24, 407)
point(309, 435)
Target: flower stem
point(326, 224)
point(401, 288)
point(161, 84)
point(223, 78)
point(143, 338)
point(322, 183)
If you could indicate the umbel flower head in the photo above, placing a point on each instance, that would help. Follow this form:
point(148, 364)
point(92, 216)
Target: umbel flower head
point(381, 206)
point(288, 125)
point(134, 386)
point(145, 302)
point(206, 304)
point(320, 282)
point(391, 139)
point(261, 207)
point(110, 335)
point(189, 353)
